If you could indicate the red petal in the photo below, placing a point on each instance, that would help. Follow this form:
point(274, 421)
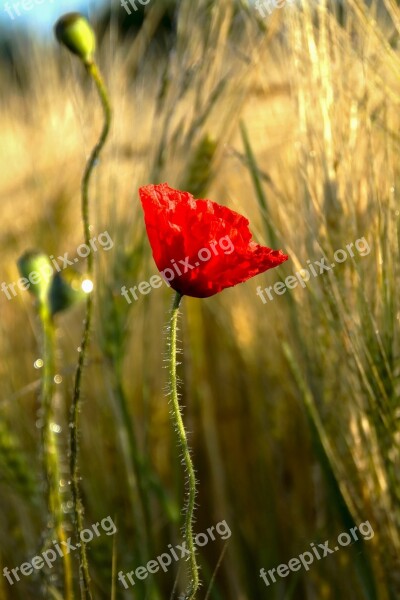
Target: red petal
point(180, 227)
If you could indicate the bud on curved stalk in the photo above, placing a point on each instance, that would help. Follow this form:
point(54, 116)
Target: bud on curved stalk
point(36, 267)
point(75, 32)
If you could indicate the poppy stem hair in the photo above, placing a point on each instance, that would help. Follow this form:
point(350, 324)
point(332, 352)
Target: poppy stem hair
point(76, 34)
point(183, 443)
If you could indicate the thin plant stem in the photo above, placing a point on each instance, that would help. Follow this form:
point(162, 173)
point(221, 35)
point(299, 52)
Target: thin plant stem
point(94, 73)
point(183, 442)
point(138, 478)
point(139, 499)
point(217, 566)
point(51, 457)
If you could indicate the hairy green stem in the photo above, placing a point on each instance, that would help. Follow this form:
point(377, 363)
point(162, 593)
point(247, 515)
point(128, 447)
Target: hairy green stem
point(183, 442)
point(51, 457)
point(94, 73)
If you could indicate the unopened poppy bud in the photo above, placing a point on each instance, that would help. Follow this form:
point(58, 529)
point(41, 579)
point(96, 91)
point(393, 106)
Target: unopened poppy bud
point(36, 267)
point(67, 289)
point(76, 33)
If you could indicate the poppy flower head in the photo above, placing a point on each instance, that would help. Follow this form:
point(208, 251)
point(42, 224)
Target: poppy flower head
point(201, 247)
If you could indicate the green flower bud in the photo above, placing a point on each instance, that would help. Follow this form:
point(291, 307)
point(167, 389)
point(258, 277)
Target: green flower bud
point(36, 267)
point(66, 290)
point(75, 32)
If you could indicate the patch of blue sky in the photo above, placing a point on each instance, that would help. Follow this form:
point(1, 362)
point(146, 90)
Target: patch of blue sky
point(39, 16)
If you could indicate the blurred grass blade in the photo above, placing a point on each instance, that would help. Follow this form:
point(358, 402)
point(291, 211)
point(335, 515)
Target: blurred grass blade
point(324, 454)
point(258, 187)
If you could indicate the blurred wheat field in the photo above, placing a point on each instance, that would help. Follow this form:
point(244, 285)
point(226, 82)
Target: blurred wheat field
point(293, 405)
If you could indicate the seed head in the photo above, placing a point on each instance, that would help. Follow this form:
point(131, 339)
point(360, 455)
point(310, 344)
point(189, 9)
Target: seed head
point(76, 33)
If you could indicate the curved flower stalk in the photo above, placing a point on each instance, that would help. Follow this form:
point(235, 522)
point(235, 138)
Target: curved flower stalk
point(200, 248)
point(184, 446)
point(76, 34)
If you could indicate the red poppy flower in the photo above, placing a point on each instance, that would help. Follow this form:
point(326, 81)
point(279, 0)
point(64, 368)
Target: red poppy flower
point(199, 246)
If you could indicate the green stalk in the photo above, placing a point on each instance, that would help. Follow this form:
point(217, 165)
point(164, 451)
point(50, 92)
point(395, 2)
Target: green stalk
point(94, 73)
point(138, 493)
point(183, 443)
point(51, 458)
